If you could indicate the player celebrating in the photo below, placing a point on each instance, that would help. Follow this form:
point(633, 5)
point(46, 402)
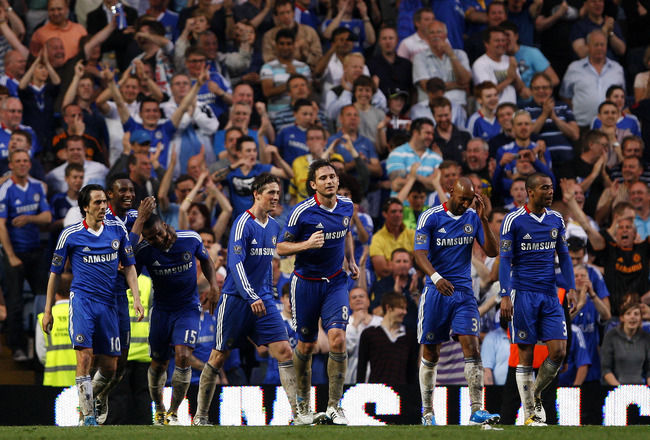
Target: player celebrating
point(121, 192)
point(169, 256)
point(95, 247)
point(246, 307)
point(318, 233)
point(443, 250)
point(530, 237)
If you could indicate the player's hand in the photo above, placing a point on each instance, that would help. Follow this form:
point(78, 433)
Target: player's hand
point(20, 221)
point(146, 207)
point(211, 299)
point(507, 308)
point(445, 287)
point(354, 269)
point(317, 240)
point(139, 310)
point(48, 320)
point(573, 302)
point(480, 206)
point(258, 308)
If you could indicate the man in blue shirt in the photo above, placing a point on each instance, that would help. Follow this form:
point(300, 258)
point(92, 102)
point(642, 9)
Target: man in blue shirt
point(23, 208)
point(318, 233)
point(443, 250)
point(292, 140)
point(530, 237)
point(170, 258)
point(95, 247)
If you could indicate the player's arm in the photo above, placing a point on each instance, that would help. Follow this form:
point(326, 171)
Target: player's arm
point(491, 243)
point(421, 260)
point(566, 266)
point(505, 266)
point(349, 255)
point(52, 287)
point(207, 267)
point(132, 280)
point(237, 252)
point(189, 99)
point(315, 241)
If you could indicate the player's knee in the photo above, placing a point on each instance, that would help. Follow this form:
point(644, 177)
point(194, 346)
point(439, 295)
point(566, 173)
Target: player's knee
point(284, 353)
point(182, 359)
point(431, 353)
point(337, 341)
point(306, 348)
point(558, 355)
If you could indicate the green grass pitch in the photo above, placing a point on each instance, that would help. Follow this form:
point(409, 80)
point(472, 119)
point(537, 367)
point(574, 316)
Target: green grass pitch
point(324, 433)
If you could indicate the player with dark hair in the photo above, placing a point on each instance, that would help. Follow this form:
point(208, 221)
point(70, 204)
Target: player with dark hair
point(246, 307)
point(443, 250)
point(95, 248)
point(121, 194)
point(318, 233)
point(170, 258)
point(530, 237)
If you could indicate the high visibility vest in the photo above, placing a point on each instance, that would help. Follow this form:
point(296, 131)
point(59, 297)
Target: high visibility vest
point(60, 357)
point(540, 352)
point(139, 349)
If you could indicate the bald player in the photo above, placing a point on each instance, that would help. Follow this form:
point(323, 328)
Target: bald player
point(443, 251)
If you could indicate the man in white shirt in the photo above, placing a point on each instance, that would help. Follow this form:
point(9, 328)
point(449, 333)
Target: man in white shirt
point(499, 68)
point(417, 42)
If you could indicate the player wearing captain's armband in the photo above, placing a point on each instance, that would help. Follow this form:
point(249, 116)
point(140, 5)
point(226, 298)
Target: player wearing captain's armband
point(443, 250)
point(95, 248)
point(318, 233)
point(530, 238)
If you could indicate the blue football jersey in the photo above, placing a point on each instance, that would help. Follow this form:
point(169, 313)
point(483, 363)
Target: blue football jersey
point(95, 257)
point(250, 252)
point(531, 242)
point(292, 142)
point(448, 239)
point(131, 215)
point(16, 200)
point(311, 216)
point(173, 272)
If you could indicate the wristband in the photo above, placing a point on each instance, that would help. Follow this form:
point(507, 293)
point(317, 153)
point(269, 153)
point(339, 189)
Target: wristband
point(435, 277)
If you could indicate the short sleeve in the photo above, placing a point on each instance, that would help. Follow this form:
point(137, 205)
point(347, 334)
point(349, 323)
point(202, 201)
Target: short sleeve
point(426, 224)
point(60, 252)
point(507, 236)
point(126, 250)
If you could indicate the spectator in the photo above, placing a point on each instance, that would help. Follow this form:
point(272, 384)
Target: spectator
point(58, 25)
point(352, 142)
point(258, 13)
point(307, 47)
point(20, 139)
point(390, 350)
point(417, 41)
point(586, 81)
point(443, 181)
point(230, 65)
point(504, 114)
point(330, 67)
point(415, 196)
point(609, 114)
point(23, 208)
point(120, 40)
point(518, 194)
point(416, 150)
point(523, 14)
point(477, 162)
point(483, 124)
point(240, 117)
point(448, 140)
point(316, 140)
point(495, 351)
point(94, 172)
point(553, 121)
point(593, 19)
point(495, 15)
point(625, 121)
point(75, 126)
point(275, 74)
point(226, 162)
point(342, 15)
point(640, 199)
point(298, 87)
point(182, 187)
point(61, 203)
point(360, 319)
point(342, 95)
point(631, 171)
point(393, 71)
point(402, 280)
point(442, 61)
point(156, 51)
point(393, 235)
point(626, 350)
point(15, 65)
point(292, 140)
point(169, 19)
point(11, 113)
point(496, 66)
point(215, 91)
point(435, 88)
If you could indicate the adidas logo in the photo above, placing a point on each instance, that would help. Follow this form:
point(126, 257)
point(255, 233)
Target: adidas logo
point(86, 249)
point(442, 231)
point(527, 237)
point(254, 241)
point(156, 263)
point(18, 202)
point(320, 225)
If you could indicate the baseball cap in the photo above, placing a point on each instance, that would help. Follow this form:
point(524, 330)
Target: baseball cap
point(397, 92)
point(140, 137)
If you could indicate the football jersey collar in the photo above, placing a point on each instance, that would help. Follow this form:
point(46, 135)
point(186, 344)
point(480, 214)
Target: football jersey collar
point(257, 220)
point(92, 231)
point(323, 206)
point(449, 213)
point(533, 215)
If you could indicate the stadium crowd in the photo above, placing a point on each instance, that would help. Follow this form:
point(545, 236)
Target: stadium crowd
point(191, 100)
